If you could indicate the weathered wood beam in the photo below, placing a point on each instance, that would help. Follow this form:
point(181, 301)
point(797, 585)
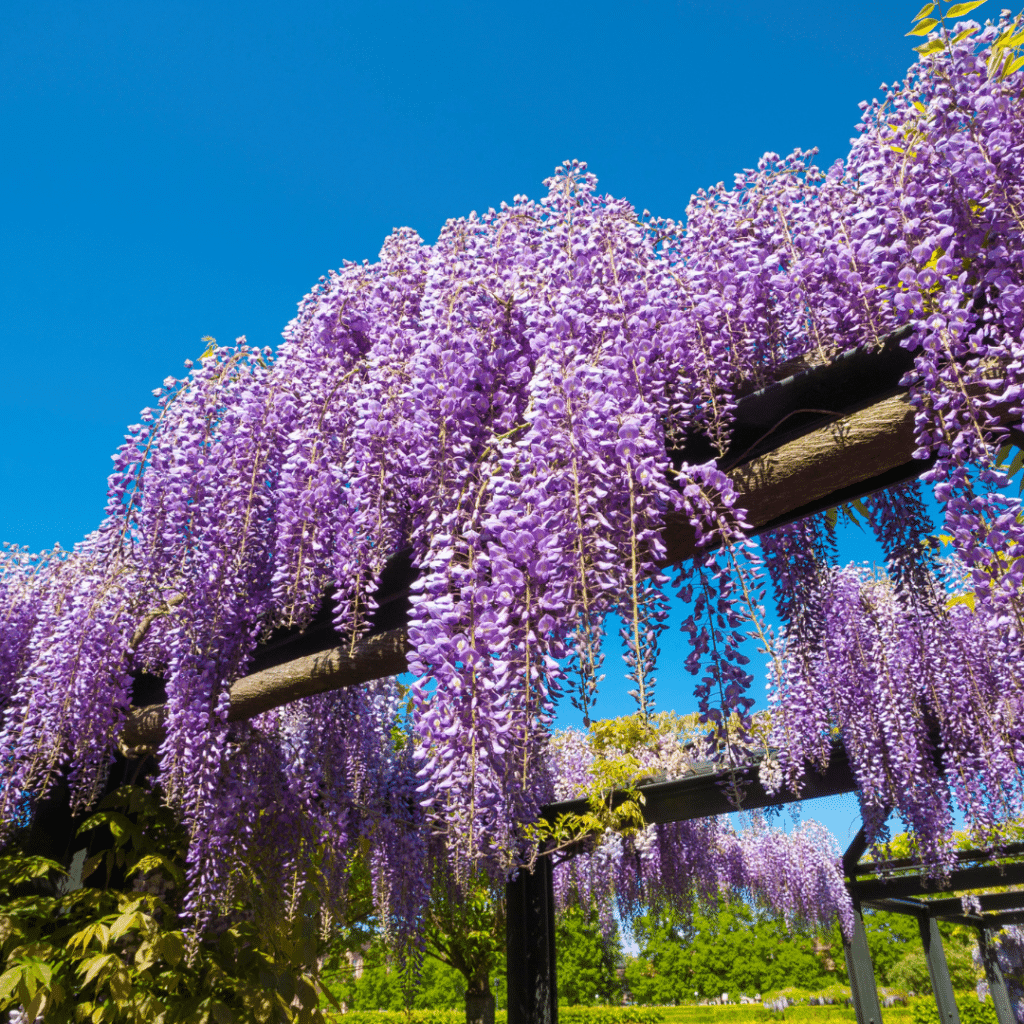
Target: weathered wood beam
point(853, 455)
point(848, 455)
point(374, 657)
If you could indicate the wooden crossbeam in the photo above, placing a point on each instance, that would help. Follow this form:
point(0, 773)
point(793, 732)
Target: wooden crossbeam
point(709, 791)
point(985, 876)
point(853, 455)
point(787, 460)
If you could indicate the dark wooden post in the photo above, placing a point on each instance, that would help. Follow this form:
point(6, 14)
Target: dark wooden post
point(938, 969)
point(858, 956)
point(530, 947)
point(861, 971)
point(994, 974)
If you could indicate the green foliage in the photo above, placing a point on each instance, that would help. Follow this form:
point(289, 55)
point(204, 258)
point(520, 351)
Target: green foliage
point(972, 1011)
point(614, 799)
point(732, 951)
point(910, 973)
point(587, 961)
point(383, 986)
point(114, 953)
point(466, 929)
point(566, 1015)
point(608, 1015)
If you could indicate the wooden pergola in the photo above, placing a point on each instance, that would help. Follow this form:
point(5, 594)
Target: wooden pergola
point(824, 435)
point(897, 887)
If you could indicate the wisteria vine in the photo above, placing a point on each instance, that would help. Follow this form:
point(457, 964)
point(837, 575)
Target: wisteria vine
point(504, 403)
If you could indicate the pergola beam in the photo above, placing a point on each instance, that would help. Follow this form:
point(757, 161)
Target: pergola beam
point(853, 455)
point(827, 435)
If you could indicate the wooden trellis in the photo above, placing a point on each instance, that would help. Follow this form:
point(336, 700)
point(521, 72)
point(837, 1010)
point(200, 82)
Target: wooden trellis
point(825, 435)
point(822, 436)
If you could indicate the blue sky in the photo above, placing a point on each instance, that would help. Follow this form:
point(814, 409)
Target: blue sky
point(178, 169)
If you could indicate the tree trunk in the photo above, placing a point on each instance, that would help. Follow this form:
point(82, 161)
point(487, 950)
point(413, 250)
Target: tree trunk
point(479, 1000)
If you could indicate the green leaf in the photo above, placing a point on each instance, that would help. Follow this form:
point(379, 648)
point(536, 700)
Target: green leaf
point(91, 967)
point(172, 947)
point(831, 518)
point(92, 864)
point(967, 599)
point(124, 922)
point(959, 10)
point(924, 12)
point(211, 344)
point(9, 981)
point(36, 1007)
point(222, 1013)
point(1018, 461)
point(961, 36)
point(922, 28)
point(1013, 41)
point(1013, 65)
point(861, 508)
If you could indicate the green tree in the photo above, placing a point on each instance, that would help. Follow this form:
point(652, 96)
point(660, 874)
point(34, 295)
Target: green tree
point(732, 951)
point(588, 963)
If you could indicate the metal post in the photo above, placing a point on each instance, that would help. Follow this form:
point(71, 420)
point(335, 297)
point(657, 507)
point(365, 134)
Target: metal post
point(994, 974)
point(938, 969)
point(861, 972)
point(530, 947)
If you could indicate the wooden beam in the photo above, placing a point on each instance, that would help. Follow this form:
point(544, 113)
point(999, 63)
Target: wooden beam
point(855, 454)
point(373, 658)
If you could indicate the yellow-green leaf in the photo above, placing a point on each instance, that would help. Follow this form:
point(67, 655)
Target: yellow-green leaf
point(861, 508)
point(922, 28)
point(121, 986)
point(959, 10)
point(961, 36)
point(172, 947)
point(1013, 65)
point(92, 864)
point(9, 981)
point(36, 1007)
point(124, 922)
point(967, 599)
point(91, 967)
point(211, 344)
point(932, 46)
point(924, 12)
point(1012, 41)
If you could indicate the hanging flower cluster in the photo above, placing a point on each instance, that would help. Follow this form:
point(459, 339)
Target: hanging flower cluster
point(503, 402)
point(796, 875)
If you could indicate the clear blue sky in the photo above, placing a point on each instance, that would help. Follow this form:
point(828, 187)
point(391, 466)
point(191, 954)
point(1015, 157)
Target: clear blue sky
point(178, 169)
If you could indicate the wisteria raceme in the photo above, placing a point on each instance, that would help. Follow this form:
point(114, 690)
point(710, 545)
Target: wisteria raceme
point(796, 875)
point(503, 404)
point(928, 706)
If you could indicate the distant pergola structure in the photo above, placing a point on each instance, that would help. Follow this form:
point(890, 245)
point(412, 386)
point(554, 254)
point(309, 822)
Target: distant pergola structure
point(824, 435)
point(897, 886)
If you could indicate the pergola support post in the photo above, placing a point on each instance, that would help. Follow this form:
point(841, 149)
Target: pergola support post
point(530, 946)
point(994, 974)
point(938, 970)
point(861, 971)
